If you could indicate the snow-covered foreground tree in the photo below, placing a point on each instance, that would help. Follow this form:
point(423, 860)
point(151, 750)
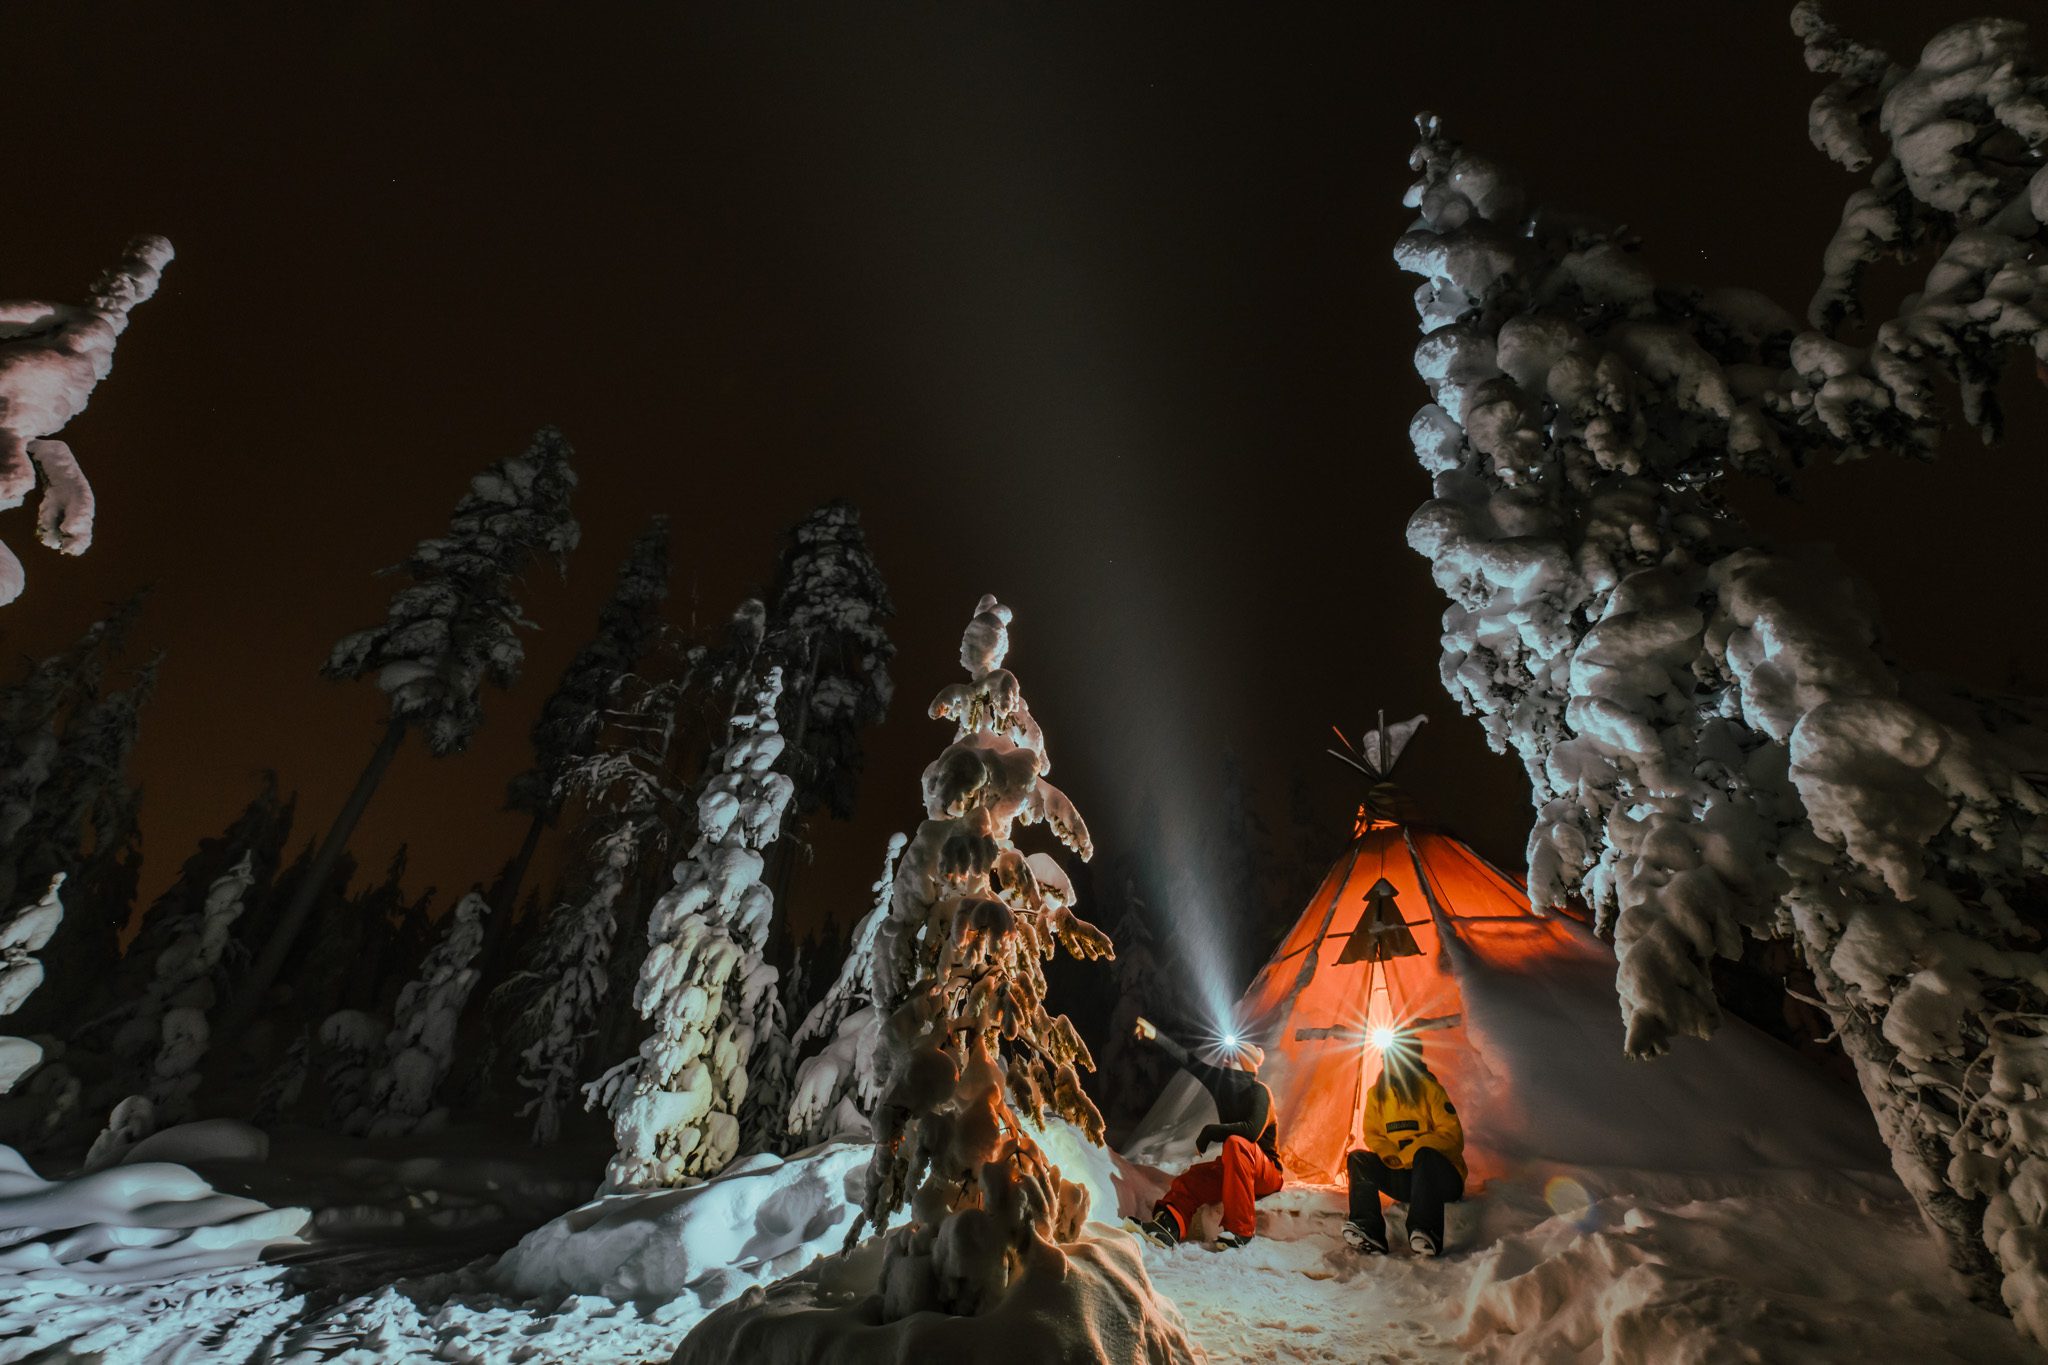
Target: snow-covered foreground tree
point(420, 1048)
point(52, 355)
point(454, 627)
point(970, 1056)
point(836, 1087)
point(675, 1107)
point(958, 966)
point(1715, 739)
point(21, 938)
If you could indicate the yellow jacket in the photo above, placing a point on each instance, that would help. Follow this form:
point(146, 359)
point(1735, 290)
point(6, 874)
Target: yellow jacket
point(1394, 1127)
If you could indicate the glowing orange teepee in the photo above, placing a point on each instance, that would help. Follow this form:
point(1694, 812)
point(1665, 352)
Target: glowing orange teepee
point(1367, 954)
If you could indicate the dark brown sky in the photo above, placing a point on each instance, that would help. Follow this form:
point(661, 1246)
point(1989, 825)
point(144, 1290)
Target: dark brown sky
point(1088, 305)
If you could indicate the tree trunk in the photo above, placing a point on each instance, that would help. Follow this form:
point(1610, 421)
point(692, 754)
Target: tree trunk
point(291, 922)
point(1908, 1120)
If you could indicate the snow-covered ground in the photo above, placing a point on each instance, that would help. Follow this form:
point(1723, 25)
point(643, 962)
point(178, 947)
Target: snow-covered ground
point(1813, 1270)
point(1757, 1223)
point(1556, 1264)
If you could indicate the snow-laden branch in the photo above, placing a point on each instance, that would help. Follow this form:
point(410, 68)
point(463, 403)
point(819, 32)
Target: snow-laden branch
point(52, 355)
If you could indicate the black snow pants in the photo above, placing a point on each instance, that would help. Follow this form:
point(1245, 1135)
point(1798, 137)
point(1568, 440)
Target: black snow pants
point(1428, 1183)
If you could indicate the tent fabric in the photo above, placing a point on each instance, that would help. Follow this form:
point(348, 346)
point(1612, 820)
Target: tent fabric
point(1318, 1082)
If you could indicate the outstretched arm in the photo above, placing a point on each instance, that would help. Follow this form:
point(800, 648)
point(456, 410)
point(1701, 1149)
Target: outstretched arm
point(1182, 1058)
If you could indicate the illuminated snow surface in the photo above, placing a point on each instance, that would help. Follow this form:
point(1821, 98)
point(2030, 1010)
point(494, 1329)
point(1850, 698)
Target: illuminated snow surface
point(1749, 1228)
point(1640, 1266)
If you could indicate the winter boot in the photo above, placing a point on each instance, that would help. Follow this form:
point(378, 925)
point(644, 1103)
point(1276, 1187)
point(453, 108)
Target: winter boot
point(1227, 1240)
point(1163, 1231)
point(1421, 1243)
point(1363, 1242)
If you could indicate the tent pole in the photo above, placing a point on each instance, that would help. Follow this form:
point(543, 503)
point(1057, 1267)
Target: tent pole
point(1445, 930)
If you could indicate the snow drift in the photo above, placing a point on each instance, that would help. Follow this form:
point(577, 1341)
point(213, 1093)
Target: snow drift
point(757, 1221)
point(1090, 1301)
point(149, 1220)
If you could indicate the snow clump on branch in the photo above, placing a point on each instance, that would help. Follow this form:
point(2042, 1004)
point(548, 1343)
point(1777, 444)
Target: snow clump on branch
point(52, 356)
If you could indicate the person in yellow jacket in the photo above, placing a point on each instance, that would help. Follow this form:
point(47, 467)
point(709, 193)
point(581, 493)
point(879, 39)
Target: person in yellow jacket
point(1414, 1151)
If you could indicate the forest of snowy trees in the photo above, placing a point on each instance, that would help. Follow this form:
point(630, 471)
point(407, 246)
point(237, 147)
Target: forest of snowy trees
point(277, 990)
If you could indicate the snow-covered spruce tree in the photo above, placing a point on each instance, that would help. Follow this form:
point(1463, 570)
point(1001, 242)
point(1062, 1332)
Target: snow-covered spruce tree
point(1716, 742)
point(675, 1108)
point(257, 835)
point(52, 355)
point(574, 715)
point(826, 627)
point(765, 1109)
point(21, 938)
point(133, 1120)
point(350, 1041)
point(286, 1082)
point(623, 786)
point(33, 714)
point(575, 952)
point(452, 628)
point(166, 1036)
point(420, 1048)
point(837, 1085)
point(969, 1053)
point(85, 826)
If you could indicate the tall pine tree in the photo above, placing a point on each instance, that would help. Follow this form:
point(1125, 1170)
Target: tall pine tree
point(454, 627)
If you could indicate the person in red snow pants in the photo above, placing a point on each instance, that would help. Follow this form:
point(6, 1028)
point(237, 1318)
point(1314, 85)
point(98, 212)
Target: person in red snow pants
point(1248, 1167)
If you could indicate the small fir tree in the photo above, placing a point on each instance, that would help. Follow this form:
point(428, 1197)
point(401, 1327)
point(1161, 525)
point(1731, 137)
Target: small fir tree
point(970, 1054)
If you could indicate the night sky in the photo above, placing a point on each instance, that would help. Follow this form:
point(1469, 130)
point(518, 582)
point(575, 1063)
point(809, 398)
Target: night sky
point(1089, 306)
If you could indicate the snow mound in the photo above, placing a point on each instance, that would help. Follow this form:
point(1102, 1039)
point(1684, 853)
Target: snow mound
point(1090, 1302)
point(204, 1140)
point(1545, 1077)
point(146, 1221)
point(1799, 1269)
point(757, 1221)
point(1088, 1164)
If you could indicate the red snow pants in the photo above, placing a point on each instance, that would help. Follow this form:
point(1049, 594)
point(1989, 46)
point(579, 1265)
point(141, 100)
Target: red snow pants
point(1240, 1174)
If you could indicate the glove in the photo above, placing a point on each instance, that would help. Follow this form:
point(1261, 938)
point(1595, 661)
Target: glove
point(1210, 1136)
